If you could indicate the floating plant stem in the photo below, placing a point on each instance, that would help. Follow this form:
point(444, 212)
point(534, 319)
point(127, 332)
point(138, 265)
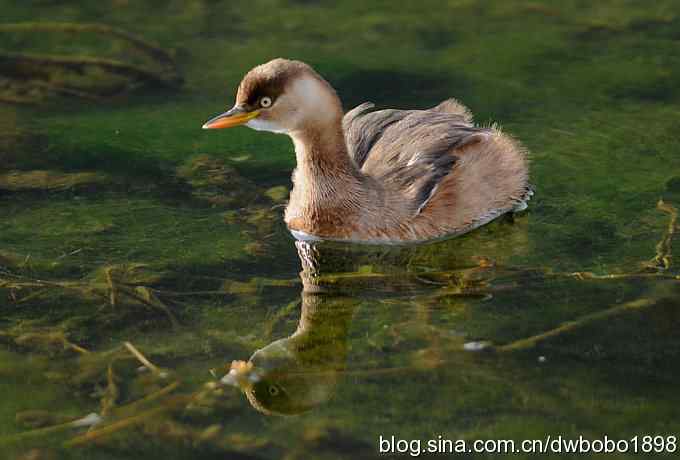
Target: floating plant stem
point(81, 63)
point(146, 296)
point(617, 276)
point(46, 338)
point(116, 426)
point(88, 420)
point(112, 287)
point(111, 394)
point(530, 342)
point(662, 259)
point(131, 407)
point(142, 359)
point(70, 27)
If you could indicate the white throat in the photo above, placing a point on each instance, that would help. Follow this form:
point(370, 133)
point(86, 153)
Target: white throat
point(265, 125)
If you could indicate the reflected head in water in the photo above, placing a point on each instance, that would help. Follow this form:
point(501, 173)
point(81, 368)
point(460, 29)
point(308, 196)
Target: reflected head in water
point(297, 373)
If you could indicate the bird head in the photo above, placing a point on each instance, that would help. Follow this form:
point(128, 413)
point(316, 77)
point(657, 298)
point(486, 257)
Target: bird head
point(281, 96)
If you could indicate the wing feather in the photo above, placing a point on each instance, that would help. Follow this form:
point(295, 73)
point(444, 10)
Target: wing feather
point(410, 151)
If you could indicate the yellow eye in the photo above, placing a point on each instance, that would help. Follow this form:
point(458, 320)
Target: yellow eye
point(273, 390)
point(266, 102)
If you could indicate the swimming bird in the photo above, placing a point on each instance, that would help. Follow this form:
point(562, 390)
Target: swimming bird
point(380, 176)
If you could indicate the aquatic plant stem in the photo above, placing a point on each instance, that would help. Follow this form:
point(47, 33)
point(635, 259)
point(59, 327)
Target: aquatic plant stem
point(146, 399)
point(531, 342)
point(38, 432)
point(662, 260)
point(142, 359)
point(111, 394)
point(112, 288)
point(70, 27)
point(116, 426)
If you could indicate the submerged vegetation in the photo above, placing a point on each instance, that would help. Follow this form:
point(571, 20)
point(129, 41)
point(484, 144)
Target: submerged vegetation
point(31, 78)
point(168, 405)
point(140, 256)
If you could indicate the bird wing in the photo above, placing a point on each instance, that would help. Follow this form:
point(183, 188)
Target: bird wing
point(410, 151)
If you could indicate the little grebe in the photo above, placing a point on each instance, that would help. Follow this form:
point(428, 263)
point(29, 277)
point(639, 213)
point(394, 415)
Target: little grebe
point(386, 176)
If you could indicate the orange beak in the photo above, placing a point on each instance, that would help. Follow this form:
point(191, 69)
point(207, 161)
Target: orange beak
point(234, 117)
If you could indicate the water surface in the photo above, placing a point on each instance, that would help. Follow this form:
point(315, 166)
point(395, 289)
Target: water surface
point(122, 221)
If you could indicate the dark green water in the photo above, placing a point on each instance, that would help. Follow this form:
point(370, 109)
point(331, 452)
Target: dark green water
point(177, 244)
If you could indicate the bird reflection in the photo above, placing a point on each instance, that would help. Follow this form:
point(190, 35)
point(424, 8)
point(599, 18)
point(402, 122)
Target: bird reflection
point(297, 373)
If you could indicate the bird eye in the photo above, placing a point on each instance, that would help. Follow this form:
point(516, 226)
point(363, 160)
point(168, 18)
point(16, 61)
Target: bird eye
point(266, 102)
point(272, 389)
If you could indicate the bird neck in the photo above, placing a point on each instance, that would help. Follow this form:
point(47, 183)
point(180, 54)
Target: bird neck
point(321, 150)
point(323, 164)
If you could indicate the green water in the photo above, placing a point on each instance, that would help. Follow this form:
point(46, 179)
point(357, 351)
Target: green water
point(177, 244)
